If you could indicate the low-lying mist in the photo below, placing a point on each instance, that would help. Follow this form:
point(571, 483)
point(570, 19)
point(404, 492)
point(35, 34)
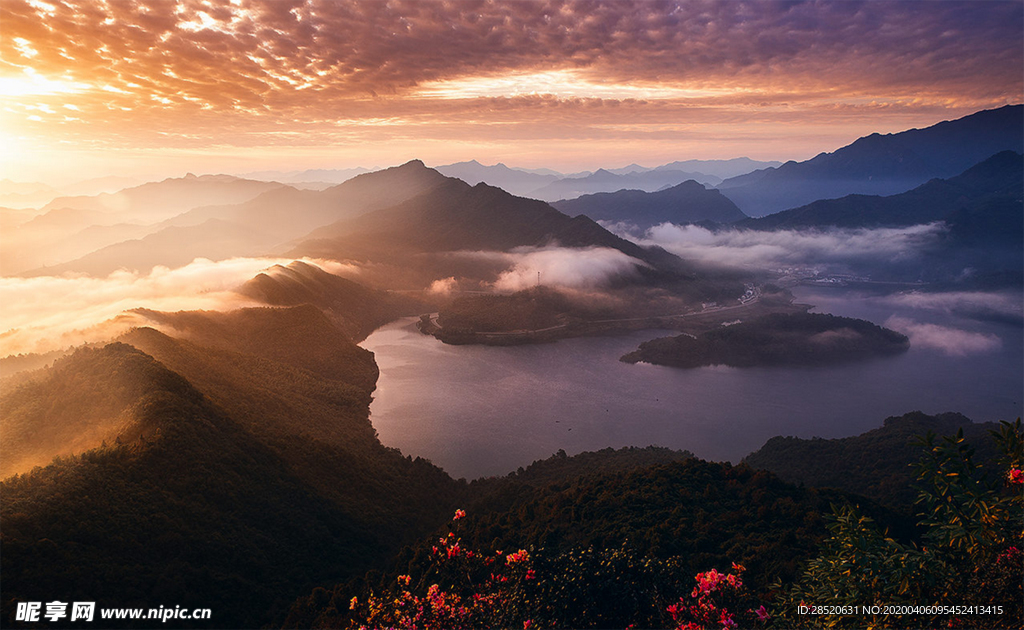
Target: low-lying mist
point(559, 267)
point(768, 250)
point(952, 341)
point(48, 313)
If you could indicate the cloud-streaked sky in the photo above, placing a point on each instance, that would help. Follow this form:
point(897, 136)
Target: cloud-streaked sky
point(122, 85)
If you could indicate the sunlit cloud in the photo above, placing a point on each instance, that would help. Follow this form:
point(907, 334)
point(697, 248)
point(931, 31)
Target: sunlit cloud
point(52, 312)
point(32, 84)
point(565, 83)
point(782, 78)
point(554, 266)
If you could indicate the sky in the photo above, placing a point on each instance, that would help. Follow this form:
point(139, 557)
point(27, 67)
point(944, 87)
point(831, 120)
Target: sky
point(148, 88)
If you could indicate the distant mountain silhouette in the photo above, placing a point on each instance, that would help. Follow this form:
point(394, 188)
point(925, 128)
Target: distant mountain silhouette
point(289, 213)
point(881, 164)
point(156, 201)
point(607, 181)
point(980, 241)
point(323, 175)
point(723, 169)
point(997, 179)
point(515, 181)
point(457, 217)
point(172, 247)
point(689, 202)
point(255, 227)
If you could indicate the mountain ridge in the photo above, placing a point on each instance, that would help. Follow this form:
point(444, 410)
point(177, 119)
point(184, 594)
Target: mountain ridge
point(688, 202)
point(882, 164)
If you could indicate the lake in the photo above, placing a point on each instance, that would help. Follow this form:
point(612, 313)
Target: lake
point(480, 411)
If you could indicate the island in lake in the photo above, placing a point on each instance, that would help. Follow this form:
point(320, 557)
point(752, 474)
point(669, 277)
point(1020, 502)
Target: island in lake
point(778, 339)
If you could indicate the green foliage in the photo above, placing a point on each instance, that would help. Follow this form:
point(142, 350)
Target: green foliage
point(970, 556)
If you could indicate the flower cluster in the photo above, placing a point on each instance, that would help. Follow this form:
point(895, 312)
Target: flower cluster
point(460, 590)
point(519, 556)
point(715, 594)
point(1015, 476)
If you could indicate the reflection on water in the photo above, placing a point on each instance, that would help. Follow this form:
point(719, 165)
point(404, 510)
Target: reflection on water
point(477, 410)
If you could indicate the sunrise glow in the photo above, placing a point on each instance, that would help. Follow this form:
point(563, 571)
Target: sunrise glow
point(338, 84)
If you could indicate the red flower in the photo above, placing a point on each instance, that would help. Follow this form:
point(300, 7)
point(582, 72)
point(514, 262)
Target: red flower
point(1015, 476)
point(459, 514)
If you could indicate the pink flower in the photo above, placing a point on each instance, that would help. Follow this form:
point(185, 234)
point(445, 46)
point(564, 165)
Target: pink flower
point(527, 624)
point(726, 620)
point(459, 514)
point(530, 574)
point(1015, 476)
point(762, 614)
point(1010, 554)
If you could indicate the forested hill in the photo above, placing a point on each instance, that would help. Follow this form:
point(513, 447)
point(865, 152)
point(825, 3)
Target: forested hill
point(356, 310)
point(775, 340)
point(876, 464)
point(616, 546)
point(243, 470)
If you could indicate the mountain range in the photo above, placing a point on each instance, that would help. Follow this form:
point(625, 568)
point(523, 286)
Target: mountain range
point(606, 181)
point(881, 164)
point(994, 180)
point(515, 181)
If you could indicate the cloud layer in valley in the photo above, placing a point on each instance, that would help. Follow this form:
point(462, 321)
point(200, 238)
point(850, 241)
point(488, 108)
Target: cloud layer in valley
point(952, 341)
point(564, 267)
point(49, 313)
point(782, 248)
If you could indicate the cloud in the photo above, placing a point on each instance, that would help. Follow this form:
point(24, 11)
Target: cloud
point(443, 286)
point(1003, 306)
point(754, 249)
point(563, 267)
point(951, 341)
point(161, 73)
point(47, 313)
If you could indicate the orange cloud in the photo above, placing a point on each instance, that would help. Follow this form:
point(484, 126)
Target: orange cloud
point(259, 73)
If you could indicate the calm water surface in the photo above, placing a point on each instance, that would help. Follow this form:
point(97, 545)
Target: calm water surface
point(479, 411)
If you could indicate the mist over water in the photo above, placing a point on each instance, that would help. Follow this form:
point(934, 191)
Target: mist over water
point(479, 411)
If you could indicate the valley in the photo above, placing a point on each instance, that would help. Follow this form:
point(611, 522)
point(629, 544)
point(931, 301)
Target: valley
point(268, 397)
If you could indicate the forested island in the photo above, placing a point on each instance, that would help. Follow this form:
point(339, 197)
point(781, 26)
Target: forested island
point(778, 339)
